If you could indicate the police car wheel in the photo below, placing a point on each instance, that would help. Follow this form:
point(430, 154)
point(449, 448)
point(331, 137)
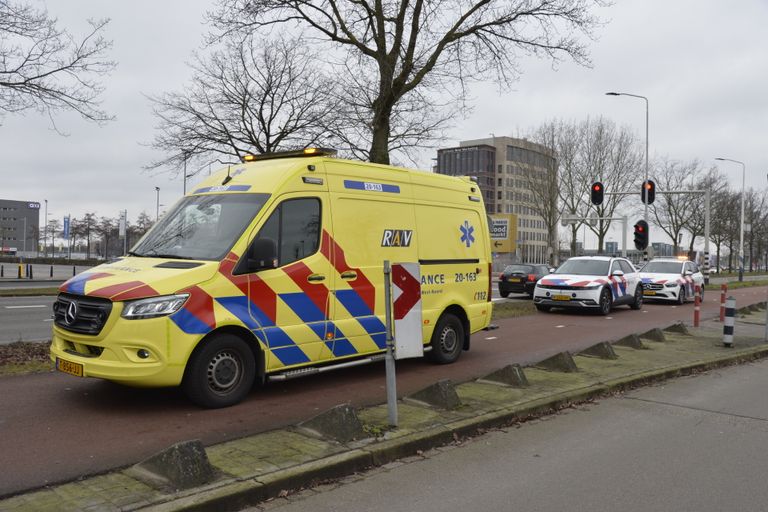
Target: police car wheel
point(606, 301)
point(681, 295)
point(637, 303)
point(447, 340)
point(221, 373)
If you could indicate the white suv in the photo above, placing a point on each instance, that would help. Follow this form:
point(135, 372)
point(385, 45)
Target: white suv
point(592, 282)
point(671, 280)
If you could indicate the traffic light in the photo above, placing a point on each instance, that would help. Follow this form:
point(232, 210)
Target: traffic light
point(648, 192)
point(641, 235)
point(597, 192)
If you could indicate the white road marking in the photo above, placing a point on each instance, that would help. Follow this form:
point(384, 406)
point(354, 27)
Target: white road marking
point(491, 338)
point(559, 326)
point(22, 307)
point(609, 318)
point(48, 320)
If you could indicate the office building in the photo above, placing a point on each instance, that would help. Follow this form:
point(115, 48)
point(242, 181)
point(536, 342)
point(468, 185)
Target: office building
point(19, 223)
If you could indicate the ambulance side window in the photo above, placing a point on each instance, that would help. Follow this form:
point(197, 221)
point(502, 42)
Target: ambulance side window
point(295, 227)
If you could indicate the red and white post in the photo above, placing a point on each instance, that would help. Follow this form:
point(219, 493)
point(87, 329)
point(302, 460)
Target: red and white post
point(723, 293)
point(696, 305)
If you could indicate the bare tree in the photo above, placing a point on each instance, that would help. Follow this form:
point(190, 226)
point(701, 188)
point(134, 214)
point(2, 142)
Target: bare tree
point(572, 179)
point(673, 212)
point(246, 98)
point(45, 68)
point(427, 45)
point(542, 190)
point(716, 183)
point(610, 155)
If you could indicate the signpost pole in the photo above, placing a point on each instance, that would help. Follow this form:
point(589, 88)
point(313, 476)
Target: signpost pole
point(389, 357)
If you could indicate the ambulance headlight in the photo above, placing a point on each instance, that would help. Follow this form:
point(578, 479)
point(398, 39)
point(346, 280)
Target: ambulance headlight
point(154, 307)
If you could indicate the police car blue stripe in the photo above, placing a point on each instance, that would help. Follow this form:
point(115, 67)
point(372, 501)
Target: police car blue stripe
point(303, 306)
point(371, 186)
point(189, 323)
point(290, 355)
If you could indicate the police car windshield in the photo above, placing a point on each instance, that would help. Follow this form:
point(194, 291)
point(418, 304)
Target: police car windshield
point(663, 267)
point(584, 267)
point(201, 227)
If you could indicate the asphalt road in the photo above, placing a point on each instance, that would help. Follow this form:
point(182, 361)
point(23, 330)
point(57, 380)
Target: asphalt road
point(55, 427)
point(692, 444)
point(25, 318)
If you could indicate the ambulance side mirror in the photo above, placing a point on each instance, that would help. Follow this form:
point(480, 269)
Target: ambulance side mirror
point(262, 254)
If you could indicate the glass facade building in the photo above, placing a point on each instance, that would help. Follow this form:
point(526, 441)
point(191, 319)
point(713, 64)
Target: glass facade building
point(503, 167)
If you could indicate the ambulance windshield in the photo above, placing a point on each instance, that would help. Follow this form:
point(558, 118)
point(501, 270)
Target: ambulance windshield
point(201, 227)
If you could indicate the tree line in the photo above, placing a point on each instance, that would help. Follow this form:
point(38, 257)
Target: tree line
point(92, 236)
point(596, 149)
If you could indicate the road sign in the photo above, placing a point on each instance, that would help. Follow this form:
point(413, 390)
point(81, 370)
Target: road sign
point(503, 232)
point(406, 310)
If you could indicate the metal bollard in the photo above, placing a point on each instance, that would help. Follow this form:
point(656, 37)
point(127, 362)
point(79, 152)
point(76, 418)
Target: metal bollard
point(73, 271)
point(730, 320)
point(2, 271)
point(29, 272)
point(696, 305)
point(723, 291)
point(19, 270)
point(51, 275)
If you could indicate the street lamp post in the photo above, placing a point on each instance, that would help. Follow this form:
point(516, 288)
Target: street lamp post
point(45, 231)
point(741, 223)
point(157, 207)
point(645, 211)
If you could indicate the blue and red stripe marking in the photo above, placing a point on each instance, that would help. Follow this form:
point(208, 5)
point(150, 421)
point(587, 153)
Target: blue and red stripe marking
point(77, 283)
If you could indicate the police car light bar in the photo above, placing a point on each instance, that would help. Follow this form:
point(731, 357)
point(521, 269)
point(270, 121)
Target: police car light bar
point(289, 154)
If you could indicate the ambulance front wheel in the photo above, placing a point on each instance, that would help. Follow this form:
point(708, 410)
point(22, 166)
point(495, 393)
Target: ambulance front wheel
point(220, 373)
point(447, 340)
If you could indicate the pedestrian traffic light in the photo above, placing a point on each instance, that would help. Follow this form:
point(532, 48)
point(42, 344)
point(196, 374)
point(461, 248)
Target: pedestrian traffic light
point(648, 192)
point(597, 193)
point(641, 235)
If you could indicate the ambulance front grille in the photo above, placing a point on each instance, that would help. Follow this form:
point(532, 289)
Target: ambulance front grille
point(90, 313)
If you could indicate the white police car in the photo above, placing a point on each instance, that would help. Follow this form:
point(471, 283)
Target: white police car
point(591, 282)
point(671, 279)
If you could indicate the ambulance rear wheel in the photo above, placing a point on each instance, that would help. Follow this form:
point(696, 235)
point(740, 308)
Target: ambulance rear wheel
point(447, 340)
point(221, 373)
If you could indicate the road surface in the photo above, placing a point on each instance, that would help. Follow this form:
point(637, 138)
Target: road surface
point(55, 427)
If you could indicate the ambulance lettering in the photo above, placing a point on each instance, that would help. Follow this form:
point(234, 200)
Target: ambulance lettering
point(397, 238)
point(427, 279)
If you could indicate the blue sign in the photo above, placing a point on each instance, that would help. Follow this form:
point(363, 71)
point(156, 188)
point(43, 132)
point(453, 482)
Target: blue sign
point(66, 227)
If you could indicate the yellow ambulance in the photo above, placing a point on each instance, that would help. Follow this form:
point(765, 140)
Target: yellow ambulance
point(273, 269)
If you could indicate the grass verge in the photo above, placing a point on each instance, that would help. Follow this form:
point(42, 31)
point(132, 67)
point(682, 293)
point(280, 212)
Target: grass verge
point(28, 292)
point(23, 357)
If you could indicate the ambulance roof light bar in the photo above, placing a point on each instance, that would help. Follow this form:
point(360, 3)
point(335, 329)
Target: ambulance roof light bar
point(290, 154)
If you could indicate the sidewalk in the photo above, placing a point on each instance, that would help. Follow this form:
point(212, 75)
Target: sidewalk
point(343, 441)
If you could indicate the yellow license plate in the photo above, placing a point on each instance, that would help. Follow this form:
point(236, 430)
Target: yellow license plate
point(561, 297)
point(649, 292)
point(75, 369)
point(515, 280)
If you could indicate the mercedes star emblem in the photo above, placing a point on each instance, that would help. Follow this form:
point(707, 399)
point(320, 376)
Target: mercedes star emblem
point(71, 314)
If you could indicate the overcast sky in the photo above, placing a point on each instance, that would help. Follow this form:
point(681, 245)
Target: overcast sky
point(703, 65)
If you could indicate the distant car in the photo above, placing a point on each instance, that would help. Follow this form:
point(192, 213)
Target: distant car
point(520, 278)
point(671, 279)
point(590, 282)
